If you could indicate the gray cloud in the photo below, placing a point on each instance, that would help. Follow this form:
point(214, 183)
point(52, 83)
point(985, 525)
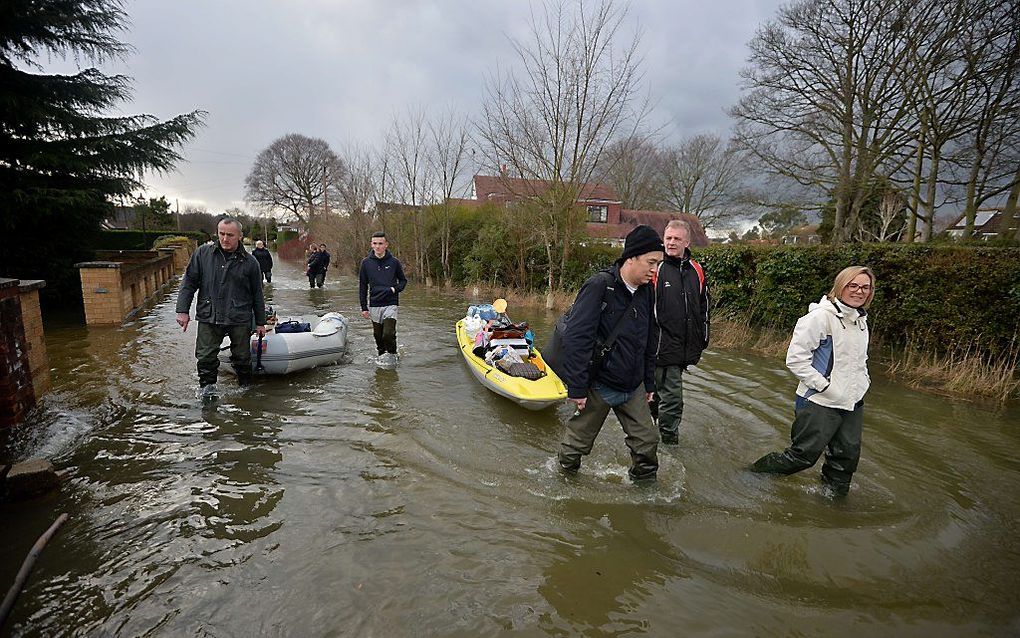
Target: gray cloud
point(339, 70)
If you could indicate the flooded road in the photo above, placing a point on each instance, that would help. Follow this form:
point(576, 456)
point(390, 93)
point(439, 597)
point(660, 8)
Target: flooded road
point(355, 501)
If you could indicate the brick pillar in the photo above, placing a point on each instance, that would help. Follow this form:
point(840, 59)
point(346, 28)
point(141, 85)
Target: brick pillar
point(101, 290)
point(16, 394)
point(181, 257)
point(170, 268)
point(31, 315)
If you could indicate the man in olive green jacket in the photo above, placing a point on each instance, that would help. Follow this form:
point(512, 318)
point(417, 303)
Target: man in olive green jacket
point(228, 281)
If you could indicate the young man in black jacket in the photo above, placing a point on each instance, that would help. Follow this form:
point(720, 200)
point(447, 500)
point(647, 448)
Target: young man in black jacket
point(681, 318)
point(613, 381)
point(261, 255)
point(322, 262)
point(380, 280)
point(229, 286)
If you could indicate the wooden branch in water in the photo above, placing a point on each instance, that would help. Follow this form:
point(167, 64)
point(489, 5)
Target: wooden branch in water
point(26, 568)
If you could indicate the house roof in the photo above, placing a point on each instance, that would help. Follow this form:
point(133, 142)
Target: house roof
point(509, 188)
point(987, 220)
point(658, 219)
point(608, 231)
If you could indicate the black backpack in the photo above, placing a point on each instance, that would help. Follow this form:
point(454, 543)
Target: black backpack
point(553, 353)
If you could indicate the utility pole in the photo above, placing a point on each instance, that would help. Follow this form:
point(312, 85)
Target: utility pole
point(177, 213)
point(325, 191)
point(145, 238)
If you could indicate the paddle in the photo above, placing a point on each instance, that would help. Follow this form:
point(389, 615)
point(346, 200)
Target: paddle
point(258, 356)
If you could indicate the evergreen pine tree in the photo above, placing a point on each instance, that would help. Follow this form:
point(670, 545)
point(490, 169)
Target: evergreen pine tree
point(61, 159)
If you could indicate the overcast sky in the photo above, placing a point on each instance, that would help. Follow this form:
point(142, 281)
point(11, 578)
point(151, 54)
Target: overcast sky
point(339, 69)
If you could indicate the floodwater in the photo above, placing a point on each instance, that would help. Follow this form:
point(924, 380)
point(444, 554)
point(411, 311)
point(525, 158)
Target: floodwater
point(356, 501)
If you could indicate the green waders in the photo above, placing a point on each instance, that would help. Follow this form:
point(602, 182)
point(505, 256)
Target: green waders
point(207, 349)
point(642, 438)
point(818, 429)
point(668, 405)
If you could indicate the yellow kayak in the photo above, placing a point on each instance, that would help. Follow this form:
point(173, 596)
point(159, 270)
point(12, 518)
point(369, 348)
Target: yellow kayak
point(533, 395)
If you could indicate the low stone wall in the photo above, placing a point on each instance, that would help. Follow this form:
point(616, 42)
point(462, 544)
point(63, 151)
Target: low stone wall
point(120, 282)
point(24, 368)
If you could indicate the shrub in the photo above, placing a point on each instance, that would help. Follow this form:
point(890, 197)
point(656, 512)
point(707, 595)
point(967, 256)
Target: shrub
point(169, 241)
point(139, 240)
point(941, 298)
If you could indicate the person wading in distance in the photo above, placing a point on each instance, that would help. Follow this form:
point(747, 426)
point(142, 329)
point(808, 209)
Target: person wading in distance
point(380, 281)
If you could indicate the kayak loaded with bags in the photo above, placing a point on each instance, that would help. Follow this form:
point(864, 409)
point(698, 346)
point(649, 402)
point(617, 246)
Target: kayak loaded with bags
point(500, 355)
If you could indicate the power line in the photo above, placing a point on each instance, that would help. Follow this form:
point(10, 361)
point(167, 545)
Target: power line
point(206, 150)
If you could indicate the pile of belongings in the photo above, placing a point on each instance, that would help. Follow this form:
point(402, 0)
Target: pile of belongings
point(505, 345)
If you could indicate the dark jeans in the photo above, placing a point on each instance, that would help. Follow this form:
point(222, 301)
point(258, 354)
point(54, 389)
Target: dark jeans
point(668, 404)
point(642, 438)
point(268, 274)
point(315, 280)
point(207, 349)
point(385, 336)
point(818, 429)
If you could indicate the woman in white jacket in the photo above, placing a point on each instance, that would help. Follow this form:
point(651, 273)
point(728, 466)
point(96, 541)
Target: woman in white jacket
point(829, 356)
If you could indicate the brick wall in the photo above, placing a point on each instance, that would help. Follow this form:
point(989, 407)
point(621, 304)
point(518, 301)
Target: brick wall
point(35, 339)
point(116, 289)
point(104, 298)
point(16, 393)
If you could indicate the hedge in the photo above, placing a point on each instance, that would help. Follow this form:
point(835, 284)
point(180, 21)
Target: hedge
point(139, 240)
point(941, 298)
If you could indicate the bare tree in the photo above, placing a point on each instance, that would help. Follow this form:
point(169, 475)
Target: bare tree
point(349, 231)
point(936, 92)
point(296, 174)
point(448, 137)
point(703, 175)
point(575, 92)
point(889, 222)
point(409, 178)
point(824, 99)
point(632, 166)
point(1011, 222)
point(991, 50)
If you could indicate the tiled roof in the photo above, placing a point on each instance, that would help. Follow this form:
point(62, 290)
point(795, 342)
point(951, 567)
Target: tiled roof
point(505, 188)
point(658, 219)
point(988, 220)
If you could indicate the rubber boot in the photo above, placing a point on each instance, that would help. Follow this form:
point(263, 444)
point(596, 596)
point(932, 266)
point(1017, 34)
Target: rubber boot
point(774, 463)
point(569, 464)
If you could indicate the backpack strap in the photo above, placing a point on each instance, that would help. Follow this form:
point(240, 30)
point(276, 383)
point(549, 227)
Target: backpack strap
point(611, 338)
point(701, 274)
point(607, 293)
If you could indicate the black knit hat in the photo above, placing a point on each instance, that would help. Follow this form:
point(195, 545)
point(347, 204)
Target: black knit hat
point(641, 240)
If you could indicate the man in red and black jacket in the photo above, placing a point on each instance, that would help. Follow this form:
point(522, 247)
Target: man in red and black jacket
point(682, 321)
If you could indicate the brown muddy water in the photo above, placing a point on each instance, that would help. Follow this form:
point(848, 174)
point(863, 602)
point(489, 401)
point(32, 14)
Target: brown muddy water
point(355, 501)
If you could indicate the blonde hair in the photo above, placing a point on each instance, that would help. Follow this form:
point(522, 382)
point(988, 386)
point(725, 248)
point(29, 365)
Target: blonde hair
point(680, 224)
point(847, 275)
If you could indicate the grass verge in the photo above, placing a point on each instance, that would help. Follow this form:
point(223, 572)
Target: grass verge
point(965, 374)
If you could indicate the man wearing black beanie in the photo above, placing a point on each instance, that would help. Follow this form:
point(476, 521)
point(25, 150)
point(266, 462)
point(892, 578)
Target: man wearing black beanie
point(609, 353)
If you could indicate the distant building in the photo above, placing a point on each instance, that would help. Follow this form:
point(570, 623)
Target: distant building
point(988, 224)
point(607, 219)
point(800, 240)
point(120, 218)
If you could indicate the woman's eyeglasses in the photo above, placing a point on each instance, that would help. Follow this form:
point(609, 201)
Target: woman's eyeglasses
point(854, 287)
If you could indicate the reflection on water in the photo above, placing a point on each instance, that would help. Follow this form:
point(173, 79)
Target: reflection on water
point(357, 500)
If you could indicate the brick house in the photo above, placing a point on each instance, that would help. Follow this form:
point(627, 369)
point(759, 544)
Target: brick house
point(607, 219)
point(988, 224)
